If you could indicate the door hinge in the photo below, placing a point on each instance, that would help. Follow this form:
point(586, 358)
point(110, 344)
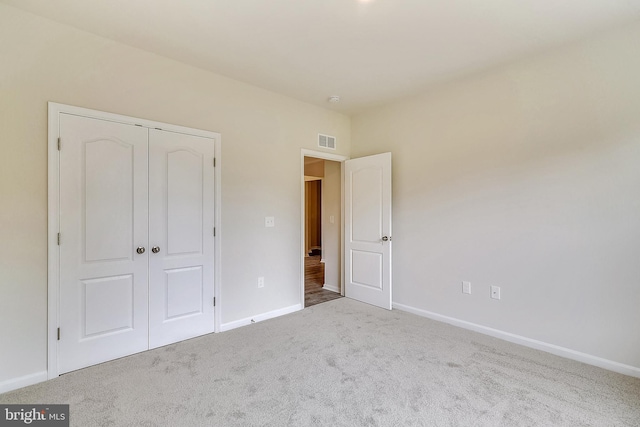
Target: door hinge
point(214, 301)
point(214, 232)
point(58, 239)
point(214, 162)
point(59, 143)
point(58, 334)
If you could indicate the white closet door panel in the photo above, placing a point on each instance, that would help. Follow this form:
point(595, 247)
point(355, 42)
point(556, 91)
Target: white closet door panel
point(103, 219)
point(108, 170)
point(184, 201)
point(181, 219)
point(183, 292)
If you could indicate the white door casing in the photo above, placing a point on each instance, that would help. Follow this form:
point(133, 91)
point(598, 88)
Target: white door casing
point(334, 158)
point(103, 220)
point(181, 241)
point(368, 230)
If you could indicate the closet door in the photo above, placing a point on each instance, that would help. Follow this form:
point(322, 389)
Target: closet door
point(103, 295)
point(181, 219)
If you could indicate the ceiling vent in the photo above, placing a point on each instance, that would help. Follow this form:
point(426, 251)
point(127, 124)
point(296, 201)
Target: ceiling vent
point(326, 141)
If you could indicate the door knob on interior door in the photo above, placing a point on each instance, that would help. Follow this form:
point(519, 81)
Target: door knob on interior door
point(140, 250)
point(155, 249)
point(386, 238)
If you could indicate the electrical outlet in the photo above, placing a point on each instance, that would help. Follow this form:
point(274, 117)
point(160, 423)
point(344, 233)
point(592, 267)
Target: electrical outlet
point(495, 292)
point(466, 287)
point(261, 282)
point(269, 221)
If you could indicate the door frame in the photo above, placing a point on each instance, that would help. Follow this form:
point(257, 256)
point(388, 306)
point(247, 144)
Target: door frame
point(335, 158)
point(53, 213)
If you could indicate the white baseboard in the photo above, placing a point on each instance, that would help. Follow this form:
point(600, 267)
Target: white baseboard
point(331, 288)
point(527, 342)
point(260, 317)
point(16, 383)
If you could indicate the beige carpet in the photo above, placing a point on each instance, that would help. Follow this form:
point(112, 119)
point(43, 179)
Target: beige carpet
point(357, 366)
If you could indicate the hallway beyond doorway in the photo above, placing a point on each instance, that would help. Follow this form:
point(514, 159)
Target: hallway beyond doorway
point(313, 282)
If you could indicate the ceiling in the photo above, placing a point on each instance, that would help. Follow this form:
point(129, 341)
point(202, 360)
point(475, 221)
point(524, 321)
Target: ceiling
point(368, 52)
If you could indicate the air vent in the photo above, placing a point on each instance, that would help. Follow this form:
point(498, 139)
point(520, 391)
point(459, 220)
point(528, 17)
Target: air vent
point(326, 141)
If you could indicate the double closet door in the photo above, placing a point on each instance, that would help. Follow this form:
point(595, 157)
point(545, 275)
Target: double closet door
point(136, 239)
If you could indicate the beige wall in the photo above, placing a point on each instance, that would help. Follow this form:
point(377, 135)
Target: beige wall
point(525, 177)
point(313, 167)
point(262, 134)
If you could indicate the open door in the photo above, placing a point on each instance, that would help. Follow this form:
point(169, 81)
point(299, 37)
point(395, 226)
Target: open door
point(368, 229)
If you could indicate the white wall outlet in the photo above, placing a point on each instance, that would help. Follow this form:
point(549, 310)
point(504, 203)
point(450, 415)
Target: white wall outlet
point(261, 282)
point(269, 221)
point(332, 219)
point(466, 287)
point(495, 292)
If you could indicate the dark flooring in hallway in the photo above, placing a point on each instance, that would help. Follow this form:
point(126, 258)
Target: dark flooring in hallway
point(313, 281)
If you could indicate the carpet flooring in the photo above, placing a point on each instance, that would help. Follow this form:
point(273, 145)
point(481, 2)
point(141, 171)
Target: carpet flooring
point(357, 366)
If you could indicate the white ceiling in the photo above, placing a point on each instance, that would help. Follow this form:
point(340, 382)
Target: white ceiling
point(368, 52)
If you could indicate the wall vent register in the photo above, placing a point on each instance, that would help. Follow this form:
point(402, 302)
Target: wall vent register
point(326, 141)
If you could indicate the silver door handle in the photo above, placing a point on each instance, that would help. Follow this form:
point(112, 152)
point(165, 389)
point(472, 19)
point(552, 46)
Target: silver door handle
point(140, 250)
point(155, 249)
point(386, 238)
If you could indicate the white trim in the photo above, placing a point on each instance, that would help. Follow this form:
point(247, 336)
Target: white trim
point(217, 223)
point(322, 224)
point(342, 228)
point(118, 118)
point(331, 288)
point(527, 342)
point(260, 317)
point(23, 381)
point(325, 156)
point(53, 256)
point(322, 155)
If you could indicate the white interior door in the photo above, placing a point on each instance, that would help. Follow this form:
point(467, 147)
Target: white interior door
point(368, 229)
point(103, 299)
point(181, 221)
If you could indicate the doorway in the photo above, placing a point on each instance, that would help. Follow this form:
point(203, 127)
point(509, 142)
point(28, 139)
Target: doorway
point(364, 229)
point(322, 230)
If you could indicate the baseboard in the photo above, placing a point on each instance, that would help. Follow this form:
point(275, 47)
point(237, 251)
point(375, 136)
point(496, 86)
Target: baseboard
point(331, 288)
point(527, 342)
point(16, 383)
point(260, 317)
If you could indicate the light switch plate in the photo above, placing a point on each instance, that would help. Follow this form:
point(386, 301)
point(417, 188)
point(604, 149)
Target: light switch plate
point(466, 287)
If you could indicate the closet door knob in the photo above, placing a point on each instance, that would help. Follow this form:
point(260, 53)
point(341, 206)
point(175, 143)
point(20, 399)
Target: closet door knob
point(140, 250)
point(155, 249)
